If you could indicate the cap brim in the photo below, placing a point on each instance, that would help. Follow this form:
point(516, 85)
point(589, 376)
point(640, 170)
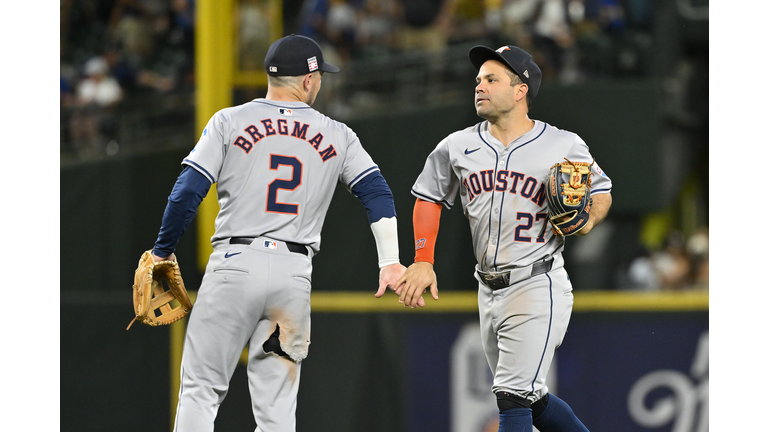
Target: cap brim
point(481, 54)
point(327, 67)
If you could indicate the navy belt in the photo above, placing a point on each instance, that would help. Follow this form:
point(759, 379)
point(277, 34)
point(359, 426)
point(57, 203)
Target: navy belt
point(499, 280)
point(293, 247)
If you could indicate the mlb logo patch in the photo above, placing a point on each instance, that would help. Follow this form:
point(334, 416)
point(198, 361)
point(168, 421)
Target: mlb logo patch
point(270, 244)
point(273, 68)
point(285, 111)
point(312, 63)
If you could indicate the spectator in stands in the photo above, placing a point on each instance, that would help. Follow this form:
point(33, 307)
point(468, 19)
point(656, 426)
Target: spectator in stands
point(66, 93)
point(313, 23)
point(672, 263)
point(131, 26)
point(426, 25)
point(468, 20)
point(641, 274)
point(697, 247)
point(377, 29)
point(552, 36)
point(254, 33)
point(610, 16)
point(181, 38)
point(93, 119)
point(341, 27)
point(143, 43)
point(680, 264)
point(547, 29)
point(516, 16)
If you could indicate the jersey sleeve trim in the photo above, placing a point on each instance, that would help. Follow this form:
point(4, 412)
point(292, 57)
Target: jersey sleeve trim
point(600, 191)
point(430, 199)
point(200, 169)
point(361, 175)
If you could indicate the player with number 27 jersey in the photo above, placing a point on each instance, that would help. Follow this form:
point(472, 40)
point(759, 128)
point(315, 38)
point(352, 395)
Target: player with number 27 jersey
point(501, 189)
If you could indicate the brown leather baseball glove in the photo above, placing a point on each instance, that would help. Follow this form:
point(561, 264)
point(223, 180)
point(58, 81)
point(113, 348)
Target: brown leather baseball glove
point(154, 305)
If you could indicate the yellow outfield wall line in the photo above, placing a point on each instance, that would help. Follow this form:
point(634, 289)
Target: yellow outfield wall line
point(466, 301)
point(611, 301)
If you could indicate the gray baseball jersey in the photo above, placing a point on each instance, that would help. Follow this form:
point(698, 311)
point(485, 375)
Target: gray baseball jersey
point(502, 188)
point(502, 194)
point(281, 160)
point(277, 165)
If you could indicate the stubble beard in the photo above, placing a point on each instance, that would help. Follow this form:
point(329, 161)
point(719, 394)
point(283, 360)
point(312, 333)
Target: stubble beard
point(311, 99)
point(490, 114)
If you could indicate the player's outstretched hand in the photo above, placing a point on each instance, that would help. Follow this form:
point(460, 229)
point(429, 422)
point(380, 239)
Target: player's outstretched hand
point(388, 277)
point(418, 277)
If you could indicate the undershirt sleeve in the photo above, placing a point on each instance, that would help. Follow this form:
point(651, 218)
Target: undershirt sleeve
point(373, 191)
point(187, 194)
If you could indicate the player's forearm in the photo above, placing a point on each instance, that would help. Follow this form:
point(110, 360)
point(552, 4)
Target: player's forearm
point(426, 223)
point(187, 194)
point(375, 195)
point(601, 203)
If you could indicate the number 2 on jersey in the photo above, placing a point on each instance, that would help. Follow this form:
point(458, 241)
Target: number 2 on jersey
point(273, 206)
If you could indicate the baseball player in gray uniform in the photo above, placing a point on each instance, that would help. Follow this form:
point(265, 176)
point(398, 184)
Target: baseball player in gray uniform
point(276, 162)
point(499, 168)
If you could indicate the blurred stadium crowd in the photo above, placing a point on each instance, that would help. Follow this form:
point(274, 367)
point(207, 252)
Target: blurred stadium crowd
point(127, 71)
point(116, 52)
point(558, 32)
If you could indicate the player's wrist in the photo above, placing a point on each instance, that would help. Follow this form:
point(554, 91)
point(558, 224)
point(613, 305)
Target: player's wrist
point(388, 262)
point(385, 233)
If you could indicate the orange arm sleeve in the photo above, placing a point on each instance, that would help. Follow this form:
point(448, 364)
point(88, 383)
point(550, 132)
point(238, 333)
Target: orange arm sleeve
point(426, 223)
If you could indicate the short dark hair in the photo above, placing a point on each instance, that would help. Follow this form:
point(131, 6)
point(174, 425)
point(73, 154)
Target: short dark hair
point(515, 80)
point(284, 80)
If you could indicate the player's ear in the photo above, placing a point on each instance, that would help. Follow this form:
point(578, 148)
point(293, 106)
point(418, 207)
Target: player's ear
point(522, 91)
point(306, 83)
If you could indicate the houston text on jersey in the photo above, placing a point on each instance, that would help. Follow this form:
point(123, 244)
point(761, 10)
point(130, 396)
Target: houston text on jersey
point(503, 180)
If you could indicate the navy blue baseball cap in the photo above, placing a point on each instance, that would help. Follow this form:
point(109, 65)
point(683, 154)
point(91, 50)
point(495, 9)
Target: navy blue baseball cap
point(295, 55)
point(516, 58)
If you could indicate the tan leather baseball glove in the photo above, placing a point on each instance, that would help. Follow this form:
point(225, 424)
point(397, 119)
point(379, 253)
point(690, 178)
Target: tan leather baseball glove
point(154, 305)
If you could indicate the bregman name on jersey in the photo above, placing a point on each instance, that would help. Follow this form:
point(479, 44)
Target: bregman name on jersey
point(271, 127)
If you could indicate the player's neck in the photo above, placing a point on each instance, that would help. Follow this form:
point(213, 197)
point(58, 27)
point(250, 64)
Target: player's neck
point(510, 129)
point(285, 94)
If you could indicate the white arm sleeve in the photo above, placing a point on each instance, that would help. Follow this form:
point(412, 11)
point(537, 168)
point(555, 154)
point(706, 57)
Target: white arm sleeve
point(385, 233)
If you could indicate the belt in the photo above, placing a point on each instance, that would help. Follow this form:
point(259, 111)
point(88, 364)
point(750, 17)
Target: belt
point(498, 280)
point(293, 247)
